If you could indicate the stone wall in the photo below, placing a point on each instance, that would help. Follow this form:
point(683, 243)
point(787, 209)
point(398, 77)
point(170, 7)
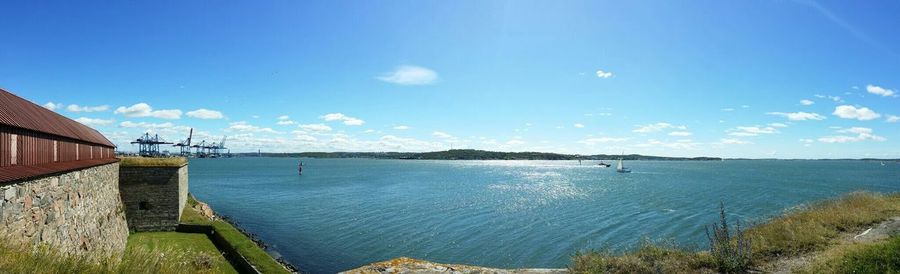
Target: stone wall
point(77, 212)
point(154, 197)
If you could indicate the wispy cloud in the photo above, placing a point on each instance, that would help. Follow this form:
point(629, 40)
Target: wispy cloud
point(852, 112)
point(578, 125)
point(350, 121)
point(600, 140)
point(401, 127)
point(862, 134)
point(892, 119)
point(680, 133)
point(77, 108)
point(733, 141)
point(604, 74)
point(315, 127)
point(798, 116)
point(94, 122)
point(144, 110)
point(746, 131)
point(657, 127)
point(205, 114)
point(410, 75)
point(806, 102)
point(243, 126)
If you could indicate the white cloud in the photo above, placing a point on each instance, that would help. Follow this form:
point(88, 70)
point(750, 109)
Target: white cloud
point(657, 127)
point(728, 109)
point(205, 114)
point(94, 122)
point(861, 134)
point(799, 116)
point(680, 133)
point(515, 142)
point(246, 127)
point(806, 102)
point(594, 141)
point(52, 106)
point(130, 124)
point(836, 99)
point(440, 134)
point(284, 117)
point(285, 122)
point(778, 125)
point(579, 125)
point(751, 131)
point(410, 75)
point(144, 110)
point(733, 141)
point(401, 127)
point(350, 121)
point(880, 91)
point(604, 74)
point(316, 127)
point(77, 108)
point(892, 119)
point(680, 144)
point(852, 112)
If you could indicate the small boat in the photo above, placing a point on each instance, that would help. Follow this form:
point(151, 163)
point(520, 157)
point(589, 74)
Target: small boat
point(300, 168)
point(603, 165)
point(620, 168)
point(882, 163)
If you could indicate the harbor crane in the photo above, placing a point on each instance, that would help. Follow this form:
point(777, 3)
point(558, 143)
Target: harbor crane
point(185, 145)
point(148, 146)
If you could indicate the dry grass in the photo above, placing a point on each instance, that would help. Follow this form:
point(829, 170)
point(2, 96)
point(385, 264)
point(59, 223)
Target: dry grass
point(812, 228)
point(649, 257)
point(815, 227)
point(152, 162)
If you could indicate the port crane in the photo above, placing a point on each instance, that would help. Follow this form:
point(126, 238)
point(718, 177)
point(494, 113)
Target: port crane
point(185, 145)
point(148, 146)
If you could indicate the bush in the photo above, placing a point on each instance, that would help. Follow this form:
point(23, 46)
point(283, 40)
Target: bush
point(730, 253)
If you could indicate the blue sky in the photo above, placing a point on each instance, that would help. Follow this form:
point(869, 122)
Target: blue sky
point(791, 79)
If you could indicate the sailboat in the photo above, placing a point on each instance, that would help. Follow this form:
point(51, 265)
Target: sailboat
point(620, 168)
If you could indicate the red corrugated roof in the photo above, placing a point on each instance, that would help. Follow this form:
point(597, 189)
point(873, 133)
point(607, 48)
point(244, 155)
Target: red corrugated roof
point(18, 112)
point(15, 173)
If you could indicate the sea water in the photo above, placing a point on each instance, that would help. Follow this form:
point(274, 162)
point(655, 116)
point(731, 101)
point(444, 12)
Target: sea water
point(344, 213)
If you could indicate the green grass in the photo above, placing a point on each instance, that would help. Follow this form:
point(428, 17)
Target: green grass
point(243, 244)
point(20, 258)
point(881, 257)
point(814, 227)
point(152, 162)
point(205, 253)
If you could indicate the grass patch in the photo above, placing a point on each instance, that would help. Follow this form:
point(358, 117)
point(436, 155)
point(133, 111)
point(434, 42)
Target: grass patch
point(813, 228)
point(206, 255)
point(20, 258)
point(649, 257)
point(881, 257)
point(152, 162)
point(243, 244)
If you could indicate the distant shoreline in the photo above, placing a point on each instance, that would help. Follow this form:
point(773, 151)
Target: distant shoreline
point(470, 154)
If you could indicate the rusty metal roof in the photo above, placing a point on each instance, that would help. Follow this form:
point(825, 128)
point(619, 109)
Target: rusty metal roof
point(18, 112)
point(17, 173)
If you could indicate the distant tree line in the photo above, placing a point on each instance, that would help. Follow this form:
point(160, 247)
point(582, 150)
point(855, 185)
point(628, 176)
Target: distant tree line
point(472, 154)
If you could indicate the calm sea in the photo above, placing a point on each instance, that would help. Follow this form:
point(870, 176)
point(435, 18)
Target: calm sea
point(344, 213)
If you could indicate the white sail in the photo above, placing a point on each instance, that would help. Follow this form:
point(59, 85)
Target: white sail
point(619, 165)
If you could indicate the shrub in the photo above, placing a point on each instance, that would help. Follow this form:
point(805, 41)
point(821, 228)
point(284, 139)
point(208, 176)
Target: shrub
point(730, 253)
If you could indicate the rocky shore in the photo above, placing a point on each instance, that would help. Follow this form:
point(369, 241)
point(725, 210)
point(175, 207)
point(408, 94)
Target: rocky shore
point(415, 266)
